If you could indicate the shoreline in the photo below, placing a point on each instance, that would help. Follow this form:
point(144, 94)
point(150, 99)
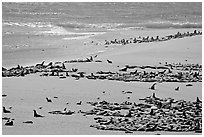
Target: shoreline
point(70, 49)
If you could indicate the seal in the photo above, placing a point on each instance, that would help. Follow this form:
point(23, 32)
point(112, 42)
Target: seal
point(5, 110)
point(153, 86)
point(36, 114)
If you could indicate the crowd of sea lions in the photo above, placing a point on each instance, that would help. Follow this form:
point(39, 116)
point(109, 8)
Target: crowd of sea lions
point(169, 72)
point(152, 39)
point(155, 114)
point(166, 72)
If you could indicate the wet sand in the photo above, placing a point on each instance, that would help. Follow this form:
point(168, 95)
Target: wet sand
point(24, 94)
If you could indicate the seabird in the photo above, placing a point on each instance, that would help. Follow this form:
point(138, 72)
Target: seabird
point(48, 100)
point(153, 86)
point(37, 115)
point(6, 111)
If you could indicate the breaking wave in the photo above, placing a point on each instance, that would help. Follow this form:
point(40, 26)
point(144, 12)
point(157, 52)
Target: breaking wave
point(177, 25)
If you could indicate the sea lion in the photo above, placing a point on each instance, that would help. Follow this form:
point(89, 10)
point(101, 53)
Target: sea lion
point(63, 66)
point(198, 100)
point(79, 103)
point(5, 110)
point(9, 122)
point(188, 85)
point(123, 69)
point(153, 86)
point(28, 122)
point(177, 88)
point(48, 100)
point(109, 61)
point(37, 115)
point(4, 95)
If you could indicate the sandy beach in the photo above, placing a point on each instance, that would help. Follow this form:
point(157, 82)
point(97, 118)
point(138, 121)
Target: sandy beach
point(28, 93)
point(101, 68)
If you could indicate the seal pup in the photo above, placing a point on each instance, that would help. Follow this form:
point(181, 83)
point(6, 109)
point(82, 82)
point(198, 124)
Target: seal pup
point(36, 114)
point(153, 86)
point(5, 110)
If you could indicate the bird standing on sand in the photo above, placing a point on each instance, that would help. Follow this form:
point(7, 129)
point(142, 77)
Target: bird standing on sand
point(36, 114)
point(153, 86)
point(109, 61)
point(6, 111)
point(48, 100)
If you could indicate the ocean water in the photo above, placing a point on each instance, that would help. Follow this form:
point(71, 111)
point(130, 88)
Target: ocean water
point(80, 18)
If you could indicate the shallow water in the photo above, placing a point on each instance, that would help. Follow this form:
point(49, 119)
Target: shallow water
point(60, 17)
